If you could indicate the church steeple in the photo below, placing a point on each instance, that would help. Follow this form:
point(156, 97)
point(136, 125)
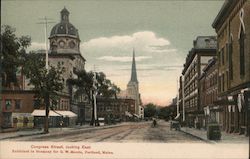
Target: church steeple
point(133, 70)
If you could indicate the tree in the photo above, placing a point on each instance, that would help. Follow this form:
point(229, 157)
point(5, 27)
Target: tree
point(164, 113)
point(11, 55)
point(150, 110)
point(84, 85)
point(47, 83)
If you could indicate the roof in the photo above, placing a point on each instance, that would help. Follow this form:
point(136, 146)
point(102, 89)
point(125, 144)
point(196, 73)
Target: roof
point(226, 8)
point(64, 28)
point(133, 70)
point(202, 44)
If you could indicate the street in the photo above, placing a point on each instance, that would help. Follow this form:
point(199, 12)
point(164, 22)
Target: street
point(129, 132)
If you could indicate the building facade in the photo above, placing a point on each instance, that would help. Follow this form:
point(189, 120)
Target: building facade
point(213, 113)
point(19, 107)
point(232, 25)
point(112, 109)
point(64, 50)
point(204, 49)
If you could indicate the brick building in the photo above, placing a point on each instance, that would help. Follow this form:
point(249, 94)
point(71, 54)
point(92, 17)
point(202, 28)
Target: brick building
point(209, 94)
point(232, 25)
point(64, 50)
point(204, 49)
point(17, 106)
point(120, 109)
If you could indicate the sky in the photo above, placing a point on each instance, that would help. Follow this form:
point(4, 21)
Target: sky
point(160, 31)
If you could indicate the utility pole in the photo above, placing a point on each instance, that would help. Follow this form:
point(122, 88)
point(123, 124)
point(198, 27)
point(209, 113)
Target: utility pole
point(183, 98)
point(47, 96)
point(94, 121)
point(177, 104)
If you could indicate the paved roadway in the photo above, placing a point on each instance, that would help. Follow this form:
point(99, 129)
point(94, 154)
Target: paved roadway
point(131, 132)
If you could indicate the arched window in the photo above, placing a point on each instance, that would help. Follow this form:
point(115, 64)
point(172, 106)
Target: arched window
point(230, 55)
point(242, 51)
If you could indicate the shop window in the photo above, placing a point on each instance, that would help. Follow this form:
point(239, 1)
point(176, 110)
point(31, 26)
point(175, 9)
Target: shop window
point(8, 104)
point(15, 120)
point(17, 104)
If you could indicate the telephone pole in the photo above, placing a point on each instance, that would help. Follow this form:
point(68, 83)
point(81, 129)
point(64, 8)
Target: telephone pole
point(45, 22)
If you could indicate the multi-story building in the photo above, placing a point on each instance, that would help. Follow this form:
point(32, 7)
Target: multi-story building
point(204, 49)
point(120, 109)
point(180, 99)
point(65, 51)
point(17, 104)
point(232, 25)
point(209, 94)
point(18, 101)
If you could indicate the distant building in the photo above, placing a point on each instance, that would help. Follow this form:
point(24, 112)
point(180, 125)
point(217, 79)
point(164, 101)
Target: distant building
point(112, 109)
point(232, 25)
point(204, 49)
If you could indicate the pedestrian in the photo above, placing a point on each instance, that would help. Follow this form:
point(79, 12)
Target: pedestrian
point(154, 122)
point(61, 124)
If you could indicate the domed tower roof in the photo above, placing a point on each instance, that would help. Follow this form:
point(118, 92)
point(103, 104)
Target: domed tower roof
point(64, 28)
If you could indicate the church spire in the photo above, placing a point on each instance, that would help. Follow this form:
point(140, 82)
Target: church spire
point(133, 70)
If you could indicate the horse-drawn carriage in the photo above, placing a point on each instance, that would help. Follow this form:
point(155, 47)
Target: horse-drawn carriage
point(175, 123)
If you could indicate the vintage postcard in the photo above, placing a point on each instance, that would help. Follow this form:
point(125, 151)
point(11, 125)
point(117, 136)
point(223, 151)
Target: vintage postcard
point(125, 79)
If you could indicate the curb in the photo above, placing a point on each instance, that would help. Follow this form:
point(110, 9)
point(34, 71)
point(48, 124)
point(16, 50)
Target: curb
point(200, 138)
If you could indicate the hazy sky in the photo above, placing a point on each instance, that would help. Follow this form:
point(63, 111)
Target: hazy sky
point(162, 33)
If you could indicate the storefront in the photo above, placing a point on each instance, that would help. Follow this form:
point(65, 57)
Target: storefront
point(56, 118)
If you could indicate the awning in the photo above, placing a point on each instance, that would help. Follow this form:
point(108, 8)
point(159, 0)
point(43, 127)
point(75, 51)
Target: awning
point(177, 116)
point(136, 115)
point(128, 114)
point(38, 112)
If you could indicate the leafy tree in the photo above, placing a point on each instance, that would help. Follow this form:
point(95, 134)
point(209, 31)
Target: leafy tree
point(164, 113)
point(150, 110)
point(84, 84)
point(11, 55)
point(105, 87)
point(47, 83)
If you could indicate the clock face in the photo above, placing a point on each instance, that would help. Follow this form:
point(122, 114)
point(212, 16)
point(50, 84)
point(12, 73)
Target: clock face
point(61, 43)
point(72, 44)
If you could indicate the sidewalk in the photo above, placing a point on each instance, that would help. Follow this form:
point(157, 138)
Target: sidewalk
point(54, 131)
point(232, 138)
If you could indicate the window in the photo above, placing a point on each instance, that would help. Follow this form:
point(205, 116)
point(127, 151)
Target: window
point(242, 50)
point(219, 83)
point(36, 103)
point(17, 104)
point(223, 82)
point(227, 79)
point(8, 104)
point(222, 56)
point(230, 54)
point(219, 57)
